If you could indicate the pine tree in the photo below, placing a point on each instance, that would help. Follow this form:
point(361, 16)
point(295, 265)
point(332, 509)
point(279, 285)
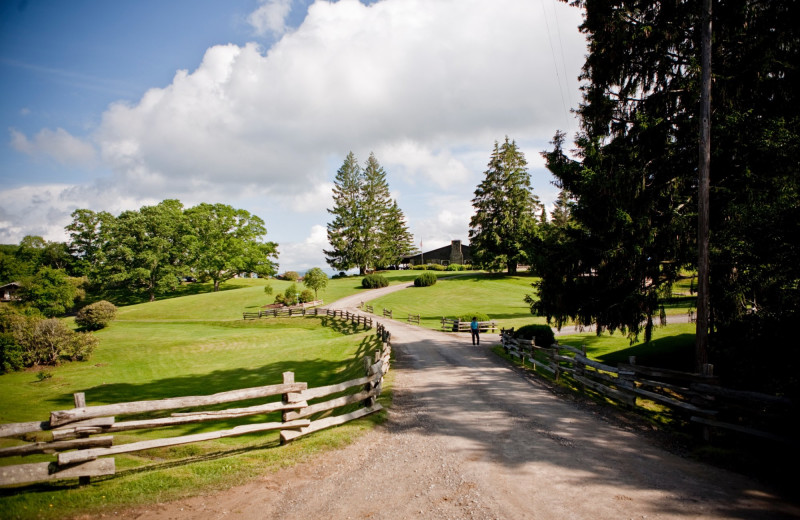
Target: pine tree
point(345, 231)
point(396, 239)
point(375, 208)
point(505, 211)
point(562, 210)
point(368, 230)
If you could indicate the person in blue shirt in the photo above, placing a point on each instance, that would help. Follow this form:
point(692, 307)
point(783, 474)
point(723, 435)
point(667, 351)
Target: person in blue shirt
point(473, 327)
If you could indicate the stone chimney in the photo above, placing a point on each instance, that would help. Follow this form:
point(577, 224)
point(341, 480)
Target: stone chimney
point(456, 257)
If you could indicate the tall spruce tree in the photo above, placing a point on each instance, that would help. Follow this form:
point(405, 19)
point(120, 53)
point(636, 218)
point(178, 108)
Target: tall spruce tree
point(635, 183)
point(368, 230)
point(397, 241)
point(376, 205)
point(505, 211)
point(346, 228)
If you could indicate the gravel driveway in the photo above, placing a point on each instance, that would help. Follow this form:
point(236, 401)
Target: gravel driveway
point(470, 437)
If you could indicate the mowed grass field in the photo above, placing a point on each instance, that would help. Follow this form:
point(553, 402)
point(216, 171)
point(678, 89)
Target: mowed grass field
point(198, 344)
point(192, 345)
point(500, 297)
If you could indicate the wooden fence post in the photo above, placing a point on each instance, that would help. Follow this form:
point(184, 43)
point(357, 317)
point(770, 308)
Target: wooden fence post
point(288, 377)
point(79, 398)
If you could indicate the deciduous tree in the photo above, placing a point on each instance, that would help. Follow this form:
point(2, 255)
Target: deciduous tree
point(315, 279)
point(226, 241)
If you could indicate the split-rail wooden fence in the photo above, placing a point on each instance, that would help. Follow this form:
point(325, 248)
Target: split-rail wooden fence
point(283, 312)
point(696, 398)
point(81, 435)
point(456, 325)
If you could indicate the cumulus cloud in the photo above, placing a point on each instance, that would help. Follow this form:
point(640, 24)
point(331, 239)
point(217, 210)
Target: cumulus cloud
point(389, 77)
point(428, 86)
point(270, 17)
point(57, 144)
point(308, 253)
point(44, 210)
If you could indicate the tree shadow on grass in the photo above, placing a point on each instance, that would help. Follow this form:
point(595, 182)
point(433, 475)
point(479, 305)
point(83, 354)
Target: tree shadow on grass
point(673, 352)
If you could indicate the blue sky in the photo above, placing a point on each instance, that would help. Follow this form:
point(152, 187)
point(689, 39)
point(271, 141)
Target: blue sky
point(255, 103)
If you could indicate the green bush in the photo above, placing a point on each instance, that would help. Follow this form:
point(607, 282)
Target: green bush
point(468, 317)
point(96, 315)
point(306, 296)
point(292, 276)
point(426, 279)
point(436, 267)
point(374, 281)
point(12, 355)
point(542, 335)
point(455, 267)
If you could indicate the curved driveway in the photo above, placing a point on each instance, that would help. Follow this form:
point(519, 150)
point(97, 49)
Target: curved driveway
point(470, 437)
point(521, 452)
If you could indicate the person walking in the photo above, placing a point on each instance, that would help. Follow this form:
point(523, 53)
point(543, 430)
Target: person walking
point(473, 327)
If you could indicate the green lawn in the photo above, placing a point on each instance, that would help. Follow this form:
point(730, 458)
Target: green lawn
point(672, 347)
point(198, 344)
point(194, 345)
point(500, 297)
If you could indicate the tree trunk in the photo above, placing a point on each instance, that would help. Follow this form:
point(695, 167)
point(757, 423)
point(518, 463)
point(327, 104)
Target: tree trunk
point(512, 267)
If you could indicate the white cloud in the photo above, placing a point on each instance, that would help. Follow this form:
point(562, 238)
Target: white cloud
point(301, 256)
point(57, 144)
point(416, 160)
point(423, 82)
point(270, 17)
point(429, 86)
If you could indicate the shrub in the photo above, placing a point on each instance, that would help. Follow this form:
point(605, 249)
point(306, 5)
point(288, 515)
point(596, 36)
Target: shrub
point(97, 315)
point(30, 340)
point(426, 279)
point(292, 276)
point(374, 281)
point(468, 317)
point(307, 296)
point(436, 267)
point(455, 267)
point(542, 335)
point(80, 347)
point(12, 355)
point(289, 296)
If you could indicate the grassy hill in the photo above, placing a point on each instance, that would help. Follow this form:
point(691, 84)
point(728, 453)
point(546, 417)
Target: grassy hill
point(198, 344)
point(191, 345)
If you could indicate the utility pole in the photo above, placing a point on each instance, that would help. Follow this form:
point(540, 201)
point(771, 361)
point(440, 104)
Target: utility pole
point(701, 336)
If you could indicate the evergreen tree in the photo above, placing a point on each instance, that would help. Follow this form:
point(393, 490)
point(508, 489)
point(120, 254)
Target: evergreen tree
point(505, 211)
point(562, 210)
point(376, 205)
point(368, 229)
point(635, 182)
point(396, 239)
point(346, 228)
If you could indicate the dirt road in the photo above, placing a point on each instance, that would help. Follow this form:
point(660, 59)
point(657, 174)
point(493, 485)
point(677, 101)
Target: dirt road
point(469, 437)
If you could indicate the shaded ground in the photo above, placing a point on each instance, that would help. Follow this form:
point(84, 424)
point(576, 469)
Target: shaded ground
point(469, 437)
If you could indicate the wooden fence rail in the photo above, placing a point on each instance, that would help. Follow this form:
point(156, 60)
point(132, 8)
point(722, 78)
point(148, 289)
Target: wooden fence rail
point(71, 429)
point(283, 312)
point(456, 325)
point(387, 313)
point(413, 318)
point(695, 397)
